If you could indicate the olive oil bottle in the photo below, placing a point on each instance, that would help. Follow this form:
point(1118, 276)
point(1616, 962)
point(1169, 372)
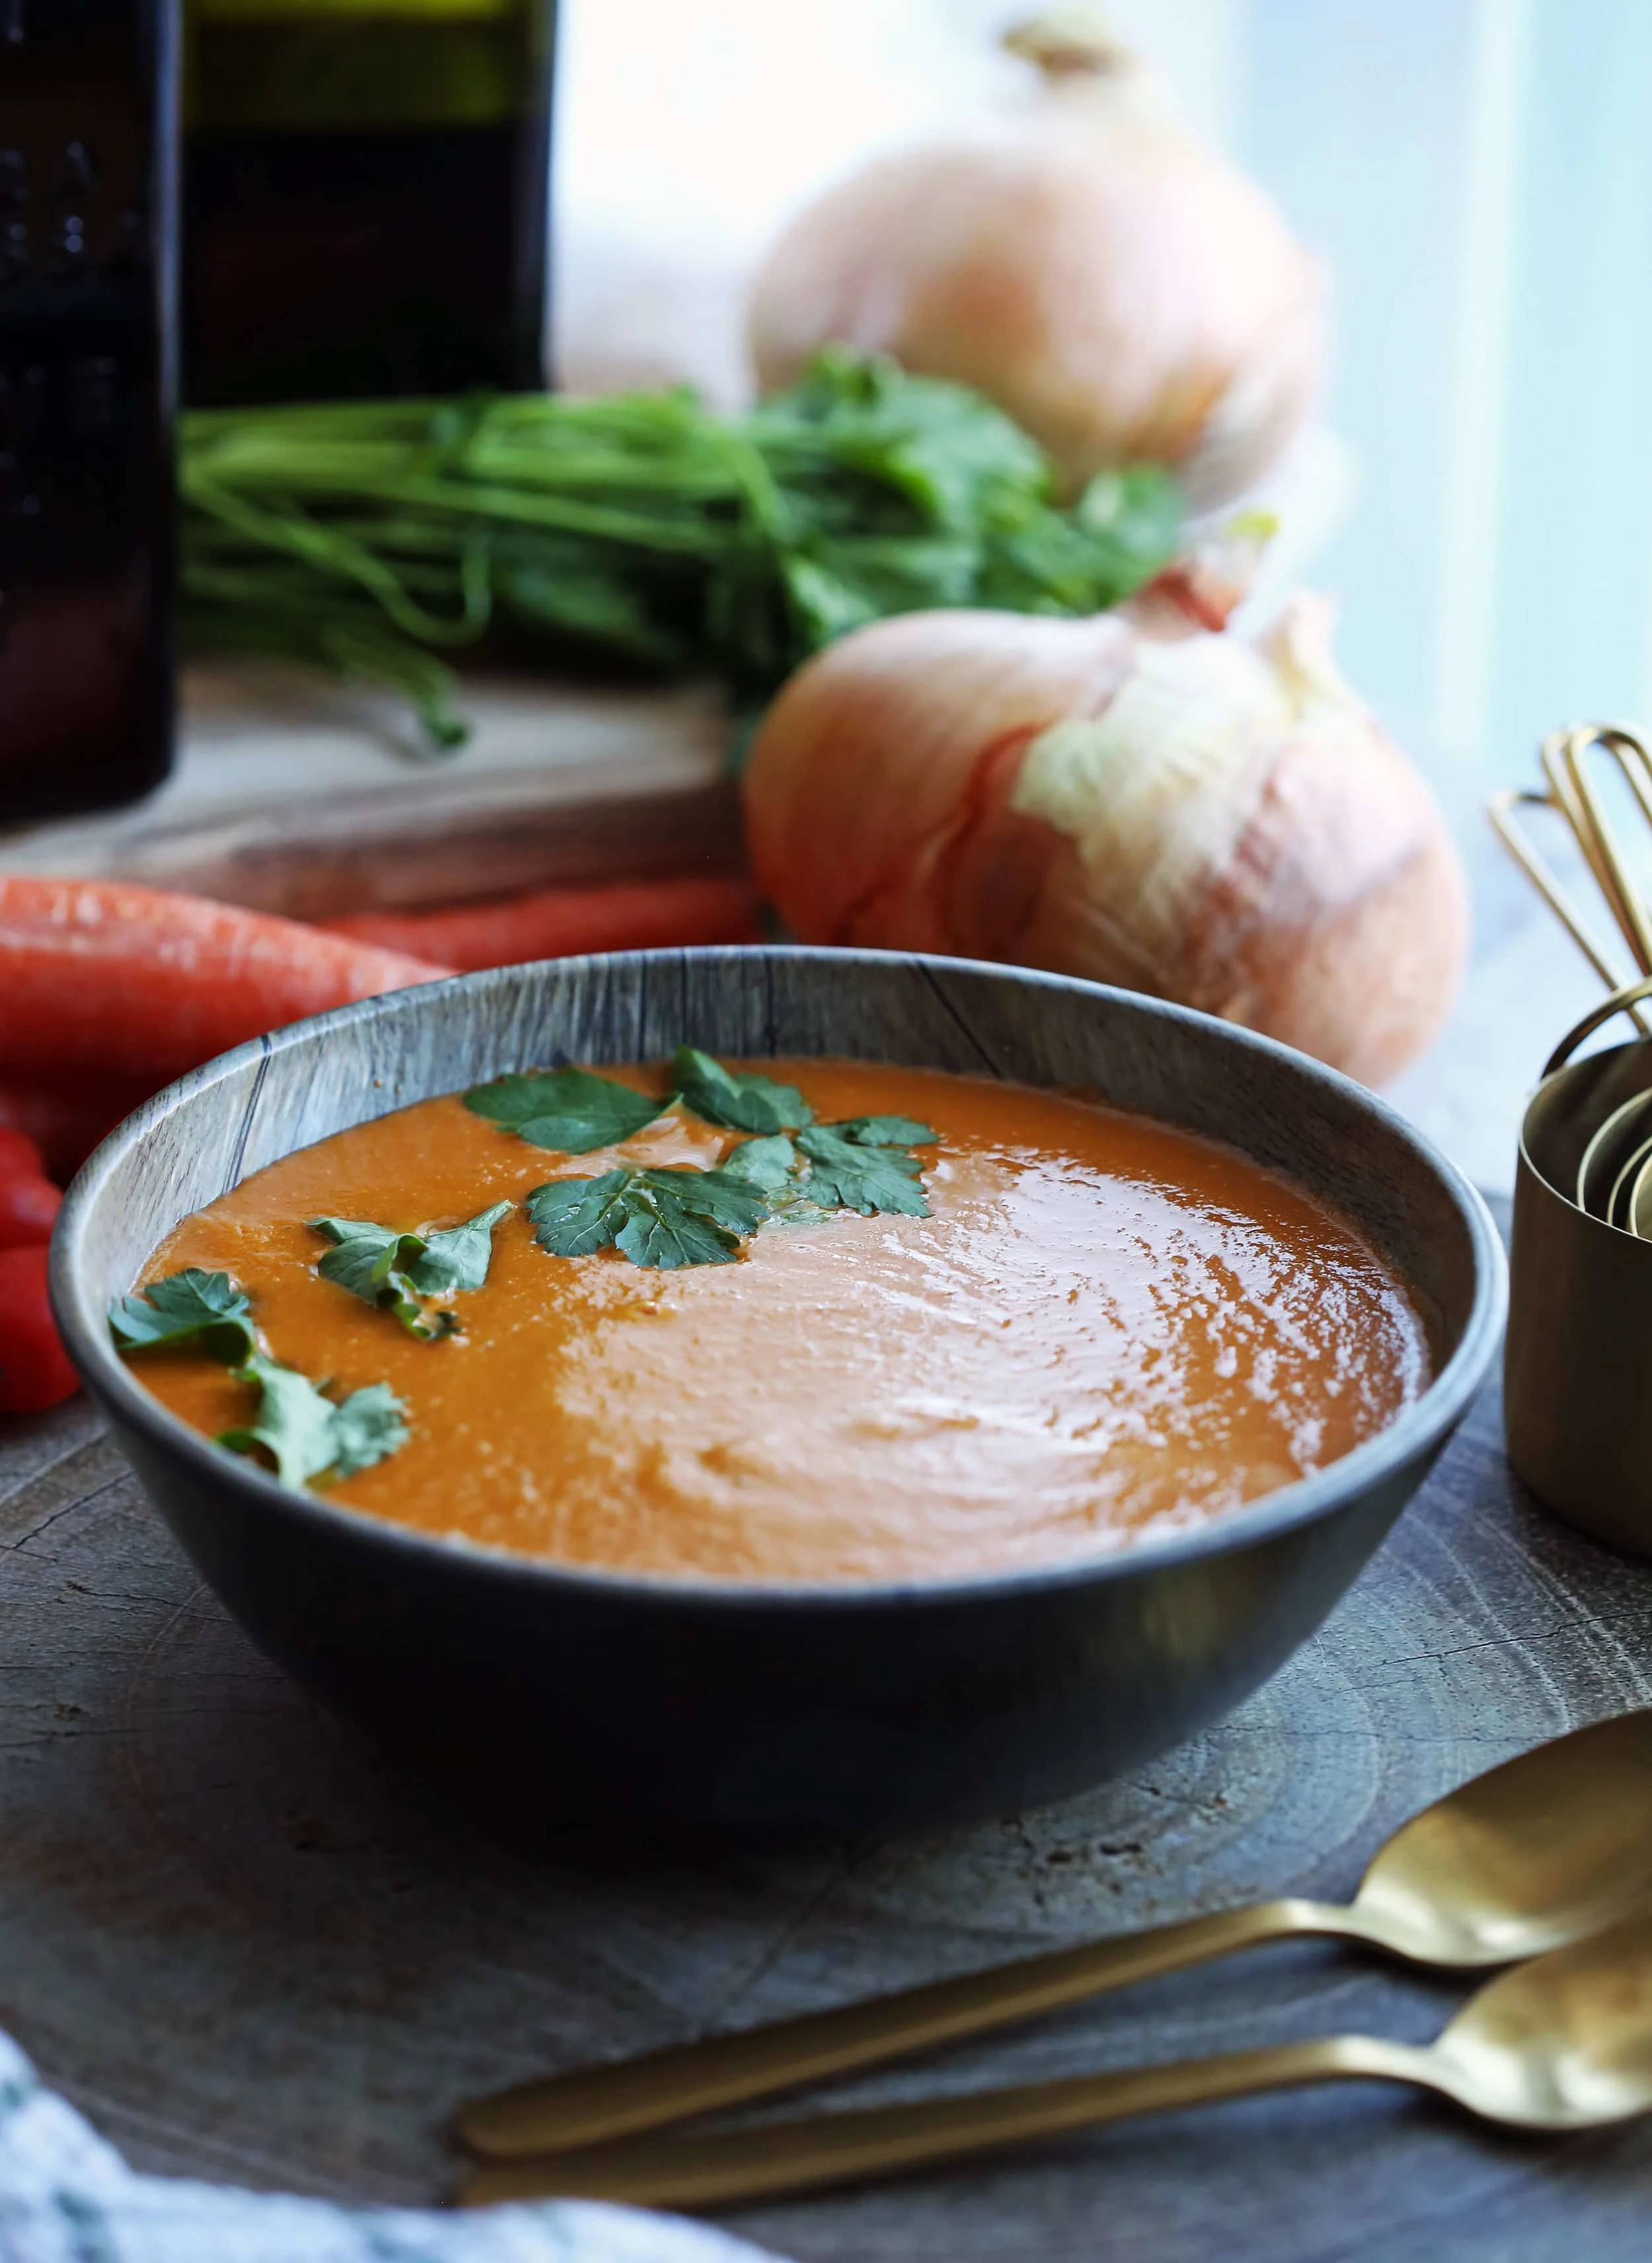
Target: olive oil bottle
point(365, 197)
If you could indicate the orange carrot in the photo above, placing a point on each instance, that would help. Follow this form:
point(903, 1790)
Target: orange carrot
point(102, 977)
point(555, 923)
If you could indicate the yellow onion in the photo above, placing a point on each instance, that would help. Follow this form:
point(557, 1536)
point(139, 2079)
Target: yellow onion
point(1118, 288)
point(1130, 798)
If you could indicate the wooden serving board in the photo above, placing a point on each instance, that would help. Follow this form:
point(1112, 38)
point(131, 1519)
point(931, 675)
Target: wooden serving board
point(253, 1949)
point(294, 795)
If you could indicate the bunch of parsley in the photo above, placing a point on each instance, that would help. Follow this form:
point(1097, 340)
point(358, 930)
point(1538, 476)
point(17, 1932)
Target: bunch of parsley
point(370, 538)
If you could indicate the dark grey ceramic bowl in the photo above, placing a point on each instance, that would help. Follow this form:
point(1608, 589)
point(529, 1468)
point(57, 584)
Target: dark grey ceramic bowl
point(671, 1702)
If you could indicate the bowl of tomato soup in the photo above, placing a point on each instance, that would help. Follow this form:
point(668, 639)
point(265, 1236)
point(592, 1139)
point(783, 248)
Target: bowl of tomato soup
point(776, 1391)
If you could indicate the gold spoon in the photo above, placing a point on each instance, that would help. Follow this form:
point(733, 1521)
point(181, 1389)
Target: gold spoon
point(1540, 1852)
point(1564, 2042)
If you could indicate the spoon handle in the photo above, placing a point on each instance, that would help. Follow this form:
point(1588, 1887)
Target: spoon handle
point(598, 2103)
point(833, 2149)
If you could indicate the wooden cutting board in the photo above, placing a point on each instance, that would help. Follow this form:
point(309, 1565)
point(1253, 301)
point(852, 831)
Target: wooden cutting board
point(295, 795)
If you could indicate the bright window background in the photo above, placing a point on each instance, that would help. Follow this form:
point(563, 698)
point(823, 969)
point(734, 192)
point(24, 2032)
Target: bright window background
point(1477, 175)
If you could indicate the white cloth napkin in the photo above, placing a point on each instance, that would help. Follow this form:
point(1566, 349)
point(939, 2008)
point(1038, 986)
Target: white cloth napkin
point(67, 2197)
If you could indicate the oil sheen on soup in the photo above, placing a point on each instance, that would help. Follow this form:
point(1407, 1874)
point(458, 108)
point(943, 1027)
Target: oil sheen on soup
point(1105, 1329)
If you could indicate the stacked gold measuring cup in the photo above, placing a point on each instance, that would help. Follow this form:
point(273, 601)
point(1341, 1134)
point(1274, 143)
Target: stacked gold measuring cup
point(1578, 1371)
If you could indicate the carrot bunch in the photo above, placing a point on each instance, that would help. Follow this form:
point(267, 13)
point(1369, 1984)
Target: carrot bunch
point(108, 991)
point(556, 922)
point(104, 979)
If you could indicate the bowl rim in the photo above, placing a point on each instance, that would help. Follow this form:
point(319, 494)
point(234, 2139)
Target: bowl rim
point(1273, 1516)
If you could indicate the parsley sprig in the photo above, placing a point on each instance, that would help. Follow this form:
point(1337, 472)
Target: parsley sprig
point(735, 1098)
point(191, 1311)
point(394, 1270)
point(306, 1434)
point(671, 1217)
point(662, 1219)
point(770, 1164)
point(573, 1111)
point(867, 1165)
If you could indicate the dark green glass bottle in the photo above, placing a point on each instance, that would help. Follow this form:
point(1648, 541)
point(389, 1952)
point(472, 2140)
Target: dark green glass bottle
point(88, 237)
point(367, 188)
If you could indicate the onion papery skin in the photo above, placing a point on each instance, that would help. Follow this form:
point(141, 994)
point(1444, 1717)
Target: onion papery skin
point(1210, 820)
point(1122, 292)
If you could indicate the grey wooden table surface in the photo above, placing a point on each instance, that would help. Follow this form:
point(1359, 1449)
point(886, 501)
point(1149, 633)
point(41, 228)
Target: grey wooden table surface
point(251, 1949)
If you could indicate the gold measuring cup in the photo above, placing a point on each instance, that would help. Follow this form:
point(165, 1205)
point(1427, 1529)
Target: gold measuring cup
point(1577, 1369)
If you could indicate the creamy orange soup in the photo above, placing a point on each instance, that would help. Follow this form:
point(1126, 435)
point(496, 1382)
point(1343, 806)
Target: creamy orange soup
point(1105, 1329)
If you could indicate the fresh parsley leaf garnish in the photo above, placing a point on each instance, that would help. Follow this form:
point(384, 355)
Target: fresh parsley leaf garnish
point(662, 1219)
point(365, 1259)
point(770, 1164)
point(191, 1311)
point(568, 1111)
point(368, 1426)
point(859, 1177)
point(662, 1235)
point(736, 1100)
point(885, 1131)
point(293, 1424)
point(393, 1270)
point(307, 1434)
point(689, 1217)
point(666, 1219)
point(575, 1218)
point(457, 1257)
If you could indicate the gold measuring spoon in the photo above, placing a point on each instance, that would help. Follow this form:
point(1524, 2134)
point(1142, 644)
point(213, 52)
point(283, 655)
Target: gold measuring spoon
point(1564, 2042)
point(1541, 1851)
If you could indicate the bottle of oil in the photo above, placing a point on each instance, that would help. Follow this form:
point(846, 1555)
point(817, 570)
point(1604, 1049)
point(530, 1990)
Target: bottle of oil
point(88, 229)
point(365, 197)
